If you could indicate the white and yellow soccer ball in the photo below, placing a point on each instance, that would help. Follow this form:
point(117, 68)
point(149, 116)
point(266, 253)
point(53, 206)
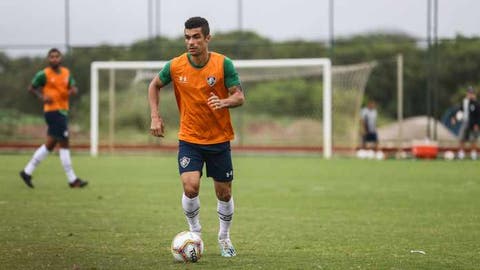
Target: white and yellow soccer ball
point(187, 247)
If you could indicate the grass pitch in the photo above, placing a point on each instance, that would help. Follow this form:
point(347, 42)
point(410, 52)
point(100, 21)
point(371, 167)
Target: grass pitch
point(291, 213)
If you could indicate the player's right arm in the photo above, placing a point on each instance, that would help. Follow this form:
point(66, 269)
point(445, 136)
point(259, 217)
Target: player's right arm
point(163, 78)
point(363, 124)
point(156, 125)
point(36, 86)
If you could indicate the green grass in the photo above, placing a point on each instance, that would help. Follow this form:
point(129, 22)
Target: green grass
point(291, 213)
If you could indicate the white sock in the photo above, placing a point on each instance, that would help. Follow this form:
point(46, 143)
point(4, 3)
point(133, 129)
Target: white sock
point(473, 154)
point(191, 208)
point(40, 154)
point(67, 164)
point(225, 215)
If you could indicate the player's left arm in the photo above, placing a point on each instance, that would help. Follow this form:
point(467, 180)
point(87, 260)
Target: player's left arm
point(476, 120)
point(72, 86)
point(236, 96)
point(235, 99)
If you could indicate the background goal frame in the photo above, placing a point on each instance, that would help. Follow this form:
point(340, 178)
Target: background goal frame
point(324, 63)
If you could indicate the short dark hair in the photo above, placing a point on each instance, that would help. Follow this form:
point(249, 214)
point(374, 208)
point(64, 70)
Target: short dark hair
point(196, 22)
point(53, 50)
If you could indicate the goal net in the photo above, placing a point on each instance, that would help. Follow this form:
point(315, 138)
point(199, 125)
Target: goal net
point(290, 106)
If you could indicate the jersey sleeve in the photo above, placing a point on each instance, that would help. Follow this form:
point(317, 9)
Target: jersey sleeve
point(230, 73)
point(39, 79)
point(71, 81)
point(164, 74)
point(363, 113)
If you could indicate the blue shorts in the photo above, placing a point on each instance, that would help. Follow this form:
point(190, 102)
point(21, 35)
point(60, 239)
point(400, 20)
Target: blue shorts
point(217, 157)
point(370, 137)
point(57, 123)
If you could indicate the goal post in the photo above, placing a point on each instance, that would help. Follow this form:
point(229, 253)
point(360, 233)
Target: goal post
point(323, 64)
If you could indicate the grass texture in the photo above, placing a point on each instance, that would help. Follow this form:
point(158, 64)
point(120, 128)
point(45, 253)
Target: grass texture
point(290, 213)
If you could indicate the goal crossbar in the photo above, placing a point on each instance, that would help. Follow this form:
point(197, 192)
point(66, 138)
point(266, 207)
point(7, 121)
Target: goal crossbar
point(325, 63)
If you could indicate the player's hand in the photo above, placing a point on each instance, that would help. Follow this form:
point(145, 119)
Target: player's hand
point(215, 102)
point(156, 127)
point(453, 122)
point(72, 91)
point(47, 99)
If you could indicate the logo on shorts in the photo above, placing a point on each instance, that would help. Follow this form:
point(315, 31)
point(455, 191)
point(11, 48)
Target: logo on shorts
point(184, 161)
point(65, 134)
point(229, 174)
point(211, 80)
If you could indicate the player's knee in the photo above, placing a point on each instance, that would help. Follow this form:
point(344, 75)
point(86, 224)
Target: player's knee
point(191, 190)
point(64, 143)
point(191, 184)
point(224, 194)
point(50, 146)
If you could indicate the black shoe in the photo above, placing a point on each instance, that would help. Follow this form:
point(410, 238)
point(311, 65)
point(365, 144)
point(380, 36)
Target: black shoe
point(78, 183)
point(26, 178)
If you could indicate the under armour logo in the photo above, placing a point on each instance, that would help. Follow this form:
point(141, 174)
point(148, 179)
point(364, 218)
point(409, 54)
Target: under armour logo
point(182, 79)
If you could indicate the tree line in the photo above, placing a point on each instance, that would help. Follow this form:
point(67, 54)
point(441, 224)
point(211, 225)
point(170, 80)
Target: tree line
point(458, 65)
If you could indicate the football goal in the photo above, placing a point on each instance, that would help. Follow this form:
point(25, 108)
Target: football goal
point(291, 105)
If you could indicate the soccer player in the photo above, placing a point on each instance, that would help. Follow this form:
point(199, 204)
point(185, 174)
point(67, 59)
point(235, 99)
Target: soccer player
point(206, 86)
point(470, 128)
point(53, 85)
point(368, 121)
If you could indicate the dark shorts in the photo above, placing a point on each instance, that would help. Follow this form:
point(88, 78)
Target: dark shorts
point(57, 125)
point(217, 158)
point(468, 133)
point(370, 137)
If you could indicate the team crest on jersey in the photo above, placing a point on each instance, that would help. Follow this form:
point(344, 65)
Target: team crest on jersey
point(184, 161)
point(211, 80)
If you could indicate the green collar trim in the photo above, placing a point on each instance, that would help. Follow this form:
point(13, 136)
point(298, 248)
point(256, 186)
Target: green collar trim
point(193, 64)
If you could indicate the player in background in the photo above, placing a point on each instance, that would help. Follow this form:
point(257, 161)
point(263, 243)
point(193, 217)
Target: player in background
point(53, 85)
point(368, 126)
point(206, 86)
point(470, 128)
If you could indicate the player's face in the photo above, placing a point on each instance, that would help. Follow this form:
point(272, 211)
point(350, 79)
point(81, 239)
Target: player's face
point(196, 42)
point(54, 59)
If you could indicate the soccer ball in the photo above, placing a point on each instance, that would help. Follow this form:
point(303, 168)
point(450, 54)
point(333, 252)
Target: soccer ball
point(187, 247)
point(370, 154)
point(361, 154)
point(449, 155)
point(379, 155)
